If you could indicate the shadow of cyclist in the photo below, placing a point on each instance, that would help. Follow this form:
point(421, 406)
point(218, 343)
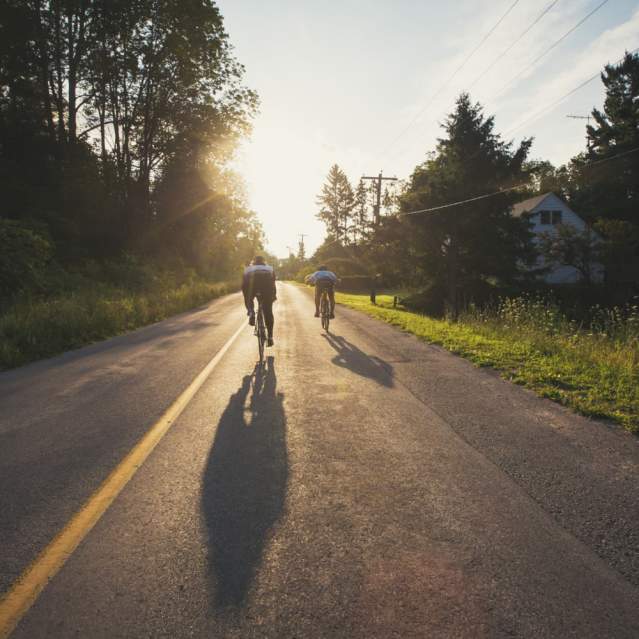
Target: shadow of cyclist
point(244, 485)
point(355, 360)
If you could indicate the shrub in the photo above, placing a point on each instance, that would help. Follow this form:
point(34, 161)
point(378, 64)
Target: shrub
point(355, 283)
point(24, 255)
point(430, 300)
point(33, 329)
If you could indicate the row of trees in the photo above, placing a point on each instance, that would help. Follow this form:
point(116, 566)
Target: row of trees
point(344, 209)
point(464, 252)
point(117, 120)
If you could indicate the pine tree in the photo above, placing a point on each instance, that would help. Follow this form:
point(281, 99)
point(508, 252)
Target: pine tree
point(464, 248)
point(360, 212)
point(612, 188)
point(336, 202)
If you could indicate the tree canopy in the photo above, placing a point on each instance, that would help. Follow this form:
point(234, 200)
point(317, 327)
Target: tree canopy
point(480, 242)
point(117, 119)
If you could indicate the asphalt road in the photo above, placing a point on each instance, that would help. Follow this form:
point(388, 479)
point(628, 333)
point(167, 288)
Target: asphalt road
point(361, 484)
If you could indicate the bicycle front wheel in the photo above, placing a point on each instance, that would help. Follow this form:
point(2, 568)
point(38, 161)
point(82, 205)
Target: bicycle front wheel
point(261, 336)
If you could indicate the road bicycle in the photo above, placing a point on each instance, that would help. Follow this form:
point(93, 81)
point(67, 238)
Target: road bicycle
point(325, 310)
point(260, 329)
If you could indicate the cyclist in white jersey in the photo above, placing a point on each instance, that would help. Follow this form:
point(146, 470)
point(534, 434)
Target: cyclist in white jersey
point(259, 279)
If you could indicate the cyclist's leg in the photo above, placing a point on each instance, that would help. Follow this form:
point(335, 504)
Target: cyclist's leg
point(249, 296)
point(249, 299)
point(269, 320)
point(331, 297)
point(318, 294)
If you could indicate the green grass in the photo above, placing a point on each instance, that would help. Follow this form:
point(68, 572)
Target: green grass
point(595, 372)
point(35, 329)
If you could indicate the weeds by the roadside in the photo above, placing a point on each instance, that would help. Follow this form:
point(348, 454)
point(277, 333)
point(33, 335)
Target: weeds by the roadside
point(34, 329)
point(592, 366)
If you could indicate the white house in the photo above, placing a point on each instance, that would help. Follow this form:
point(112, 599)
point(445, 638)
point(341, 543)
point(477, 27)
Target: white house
point(545, 213)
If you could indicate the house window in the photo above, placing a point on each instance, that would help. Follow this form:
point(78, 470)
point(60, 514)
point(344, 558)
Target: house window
point(550, 217)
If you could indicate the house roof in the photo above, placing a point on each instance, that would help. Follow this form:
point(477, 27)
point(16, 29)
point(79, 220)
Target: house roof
point(528, 205)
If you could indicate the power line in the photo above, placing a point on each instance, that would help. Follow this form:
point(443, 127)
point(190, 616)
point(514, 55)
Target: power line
point(612, 157)
point(449, 80)
point(534, 116)
point(550, 48)
point(552, 105)
point(557, 42)
point(434, 209)
point(507, 50)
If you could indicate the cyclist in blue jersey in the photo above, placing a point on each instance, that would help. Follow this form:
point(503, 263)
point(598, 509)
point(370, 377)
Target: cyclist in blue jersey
point(323, 279)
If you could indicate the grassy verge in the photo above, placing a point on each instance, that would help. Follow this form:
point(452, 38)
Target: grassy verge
point(32, 330)
point(594, 372)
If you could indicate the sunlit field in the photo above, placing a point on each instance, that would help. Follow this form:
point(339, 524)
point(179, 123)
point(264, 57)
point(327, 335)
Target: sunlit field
point(592, 368)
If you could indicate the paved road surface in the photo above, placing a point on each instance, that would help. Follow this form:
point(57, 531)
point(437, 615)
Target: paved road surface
point(363, 484)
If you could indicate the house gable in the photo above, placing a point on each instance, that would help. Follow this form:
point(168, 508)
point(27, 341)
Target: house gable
point(545, 213)
point(552, 210)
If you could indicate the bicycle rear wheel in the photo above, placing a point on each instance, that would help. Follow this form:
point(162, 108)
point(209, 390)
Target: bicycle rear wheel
point(325, 313)
point(261, 333)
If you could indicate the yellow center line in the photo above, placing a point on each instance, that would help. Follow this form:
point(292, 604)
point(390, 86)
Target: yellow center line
point(25, 590)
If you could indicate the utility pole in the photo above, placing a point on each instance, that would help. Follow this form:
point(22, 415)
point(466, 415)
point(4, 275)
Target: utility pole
point(583, 117)
point(377, 180)
point(302, 250)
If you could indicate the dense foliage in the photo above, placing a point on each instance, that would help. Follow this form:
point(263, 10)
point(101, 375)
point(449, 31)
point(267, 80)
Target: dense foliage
point(602, 183)
point(117, 119)
point(477, 251)
point(454, 253)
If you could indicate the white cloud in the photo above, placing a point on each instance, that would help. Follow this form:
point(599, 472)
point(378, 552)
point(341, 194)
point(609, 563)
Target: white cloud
point(609, 47)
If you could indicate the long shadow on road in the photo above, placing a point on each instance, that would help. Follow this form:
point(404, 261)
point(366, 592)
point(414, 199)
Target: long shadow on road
point(244, 486)
point(356, 360)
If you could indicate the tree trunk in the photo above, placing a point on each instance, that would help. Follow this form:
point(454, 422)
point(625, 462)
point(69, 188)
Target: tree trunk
point(59, 90)
point(44, 74)
point(453, 301)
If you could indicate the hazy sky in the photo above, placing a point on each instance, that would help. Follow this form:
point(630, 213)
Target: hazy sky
point(339, 80)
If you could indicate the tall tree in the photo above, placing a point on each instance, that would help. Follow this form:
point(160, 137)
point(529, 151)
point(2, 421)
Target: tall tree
point(105, 102)
point(468, 246)
point(336, 202)
point(361, 223)
point(616, 131)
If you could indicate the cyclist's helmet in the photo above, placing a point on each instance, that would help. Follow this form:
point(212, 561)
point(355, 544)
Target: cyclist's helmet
point(258, 259)
point(323, 268)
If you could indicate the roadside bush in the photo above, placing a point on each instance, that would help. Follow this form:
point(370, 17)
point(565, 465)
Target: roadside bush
point(33, 329)
point(304, 272)
point(355, 283)
point(430, 300)
point(24, 255)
